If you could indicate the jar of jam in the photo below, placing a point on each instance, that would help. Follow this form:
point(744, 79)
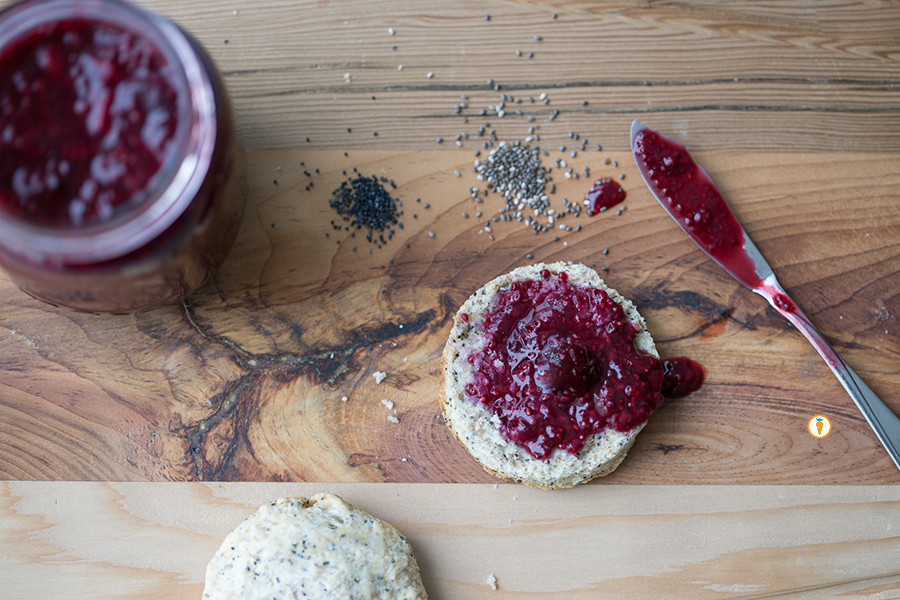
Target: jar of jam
point(121, 187)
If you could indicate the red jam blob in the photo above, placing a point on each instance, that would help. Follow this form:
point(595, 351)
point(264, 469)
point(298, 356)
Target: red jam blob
point(559, 364)
point(784, 303)
point(681, 376)
point(87, 117)
point(604, 194)
point(693, 200)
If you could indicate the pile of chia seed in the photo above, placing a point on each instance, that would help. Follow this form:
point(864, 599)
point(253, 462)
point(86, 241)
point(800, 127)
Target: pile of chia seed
point(515, 171)
point(364, 202)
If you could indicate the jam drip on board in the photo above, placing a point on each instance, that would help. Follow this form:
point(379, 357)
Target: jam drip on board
point(681, 376)
point(559, 364)
point(603, 195)
point(88, 112)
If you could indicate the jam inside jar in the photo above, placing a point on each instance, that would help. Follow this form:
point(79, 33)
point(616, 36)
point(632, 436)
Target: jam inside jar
point(121, 187)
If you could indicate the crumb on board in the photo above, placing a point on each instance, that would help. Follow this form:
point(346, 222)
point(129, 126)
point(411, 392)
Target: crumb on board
point(393, 419)
point(344, 398)
point(388, 404)
point(492, 581)
point(379, 376)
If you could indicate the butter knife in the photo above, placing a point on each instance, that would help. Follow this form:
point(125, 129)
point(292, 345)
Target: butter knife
point(687, 192)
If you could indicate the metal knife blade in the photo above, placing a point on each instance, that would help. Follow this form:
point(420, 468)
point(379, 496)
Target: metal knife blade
point(687, 192)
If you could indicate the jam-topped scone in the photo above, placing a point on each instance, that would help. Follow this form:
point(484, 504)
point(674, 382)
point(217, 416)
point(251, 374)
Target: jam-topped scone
point(549, 375)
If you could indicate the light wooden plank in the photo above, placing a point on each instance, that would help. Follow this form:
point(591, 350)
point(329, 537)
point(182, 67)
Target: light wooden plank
point(133, 540)
point(764, 77)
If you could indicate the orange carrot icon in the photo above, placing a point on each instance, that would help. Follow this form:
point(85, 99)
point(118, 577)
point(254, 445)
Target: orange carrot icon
point(819, 424)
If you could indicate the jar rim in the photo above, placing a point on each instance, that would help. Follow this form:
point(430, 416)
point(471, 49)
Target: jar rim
point(180, 176)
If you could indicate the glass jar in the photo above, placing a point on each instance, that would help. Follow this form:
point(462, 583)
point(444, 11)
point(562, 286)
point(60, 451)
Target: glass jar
point(121, 187)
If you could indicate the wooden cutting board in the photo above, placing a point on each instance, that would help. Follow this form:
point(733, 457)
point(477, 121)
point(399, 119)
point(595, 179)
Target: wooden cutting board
point(246, 379)
point(791, 107)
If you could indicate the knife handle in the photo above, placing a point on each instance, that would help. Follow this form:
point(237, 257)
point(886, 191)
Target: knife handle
point(883, 422)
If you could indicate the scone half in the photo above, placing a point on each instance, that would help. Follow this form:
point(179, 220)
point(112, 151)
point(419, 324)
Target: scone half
point(317, 548)
point(478, 429)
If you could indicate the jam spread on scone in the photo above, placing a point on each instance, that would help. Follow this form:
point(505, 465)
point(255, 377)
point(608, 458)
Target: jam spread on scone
point(558, 364)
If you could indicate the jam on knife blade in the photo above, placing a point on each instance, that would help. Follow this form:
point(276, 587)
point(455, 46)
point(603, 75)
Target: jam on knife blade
point(689, 195)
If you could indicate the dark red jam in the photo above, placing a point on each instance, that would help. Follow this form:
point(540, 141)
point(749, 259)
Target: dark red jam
point(681, 376)
point(604, 194)
point(121, 187)
point(694, 202)
point(559, 365)
point(784, 303)
point(88, 115)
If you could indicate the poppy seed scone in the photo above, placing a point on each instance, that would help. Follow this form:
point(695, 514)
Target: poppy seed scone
point(318, 548)
point(549, 375)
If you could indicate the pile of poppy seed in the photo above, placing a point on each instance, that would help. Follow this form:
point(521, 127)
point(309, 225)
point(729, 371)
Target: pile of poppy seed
point(364, 202)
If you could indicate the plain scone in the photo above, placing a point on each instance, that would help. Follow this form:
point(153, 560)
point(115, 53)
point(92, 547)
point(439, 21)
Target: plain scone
point(318, 548)
point(478, 430)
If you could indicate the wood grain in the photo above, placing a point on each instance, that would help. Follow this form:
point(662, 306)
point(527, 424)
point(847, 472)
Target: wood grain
point(792, 106)
point(138, 540)
point(245, 379)
point(729, 76)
